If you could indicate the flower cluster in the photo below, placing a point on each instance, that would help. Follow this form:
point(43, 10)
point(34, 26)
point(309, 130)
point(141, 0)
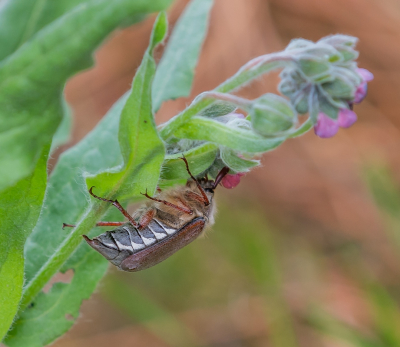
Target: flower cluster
point(327, 127)
point(327, 69)
point(320, 79)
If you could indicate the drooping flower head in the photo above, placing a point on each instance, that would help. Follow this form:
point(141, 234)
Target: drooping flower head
point(326, 126)
point(325, 81)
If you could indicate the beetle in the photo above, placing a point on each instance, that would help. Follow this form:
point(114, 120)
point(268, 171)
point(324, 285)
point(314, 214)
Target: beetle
point(168, 222)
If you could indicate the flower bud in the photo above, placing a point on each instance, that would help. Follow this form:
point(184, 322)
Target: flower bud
point(327, 127)
point(361, 91)
point(346, 118)
point(272, 114)
point(231, 181)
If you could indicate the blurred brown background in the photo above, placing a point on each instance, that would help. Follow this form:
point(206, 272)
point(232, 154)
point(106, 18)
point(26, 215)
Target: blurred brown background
point(312, 191)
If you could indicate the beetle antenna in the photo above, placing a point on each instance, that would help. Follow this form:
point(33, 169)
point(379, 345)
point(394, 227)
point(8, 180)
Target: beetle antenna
point(206, 202)
point(224, 171)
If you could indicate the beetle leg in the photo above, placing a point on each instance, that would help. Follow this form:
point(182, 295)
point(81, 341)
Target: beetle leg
point(118, 206)
point(98, 224)
point(224, 171)
point(179, 208)
point(203, 193)
point(195, 196)
point(68, 225)
point(109, 224)
point(146, 218)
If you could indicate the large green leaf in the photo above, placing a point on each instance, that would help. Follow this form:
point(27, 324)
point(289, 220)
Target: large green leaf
point(175, 73)
point(33, 77)
point(21, 19)
point(19, 210)
point(67, 201)
point(66, 198)
point(141, 147)
point(52, 314)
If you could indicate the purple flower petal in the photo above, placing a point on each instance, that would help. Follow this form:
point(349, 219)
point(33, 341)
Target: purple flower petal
point(231, 181)
point(326, 127)
point(365, 74)
point(361, 93)
point(346, 118)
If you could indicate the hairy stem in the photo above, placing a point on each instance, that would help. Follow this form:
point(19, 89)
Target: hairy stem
point(253, 69)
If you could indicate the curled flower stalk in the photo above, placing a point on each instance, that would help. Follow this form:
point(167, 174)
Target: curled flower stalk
point(319, 80)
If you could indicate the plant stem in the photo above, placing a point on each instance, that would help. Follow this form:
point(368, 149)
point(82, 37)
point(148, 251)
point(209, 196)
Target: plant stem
point(62, 253)
point(245, 104)
point(307, 125)
point(253, 69)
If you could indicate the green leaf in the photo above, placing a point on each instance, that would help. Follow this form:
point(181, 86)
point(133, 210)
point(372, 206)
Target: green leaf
point(235, 163)
point(52, 314)
point(141, 147)
point(199, 158)
point(66, 201)
point(32, 79)
point(21, 19)
point(19, 210)
point(143, 153)
point(63, 133)
point(175, 73)
point(200, 128)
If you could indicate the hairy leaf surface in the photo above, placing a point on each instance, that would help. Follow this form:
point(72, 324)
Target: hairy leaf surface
point(141, 147)
point(32, 79)
point(21, 19)
point(67, 201)
point(19, 210)
point(175, 73)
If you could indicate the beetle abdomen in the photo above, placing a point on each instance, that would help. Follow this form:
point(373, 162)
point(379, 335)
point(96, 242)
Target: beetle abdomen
point(131, 249)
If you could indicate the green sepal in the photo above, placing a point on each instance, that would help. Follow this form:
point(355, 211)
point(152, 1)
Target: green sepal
point(340, 87)
point(313, 67)
point(234, 162)
point(199, 158)
point(271, 114)
point(326, 107)
point(218, 108)
point(206, 129)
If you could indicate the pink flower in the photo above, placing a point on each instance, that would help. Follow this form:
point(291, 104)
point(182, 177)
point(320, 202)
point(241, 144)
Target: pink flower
point(327, 127)
point(231, 181)
point(361, 91)
point(346, 118)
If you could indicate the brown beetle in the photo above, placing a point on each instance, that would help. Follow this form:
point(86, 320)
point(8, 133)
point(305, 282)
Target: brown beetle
point(167, 223)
